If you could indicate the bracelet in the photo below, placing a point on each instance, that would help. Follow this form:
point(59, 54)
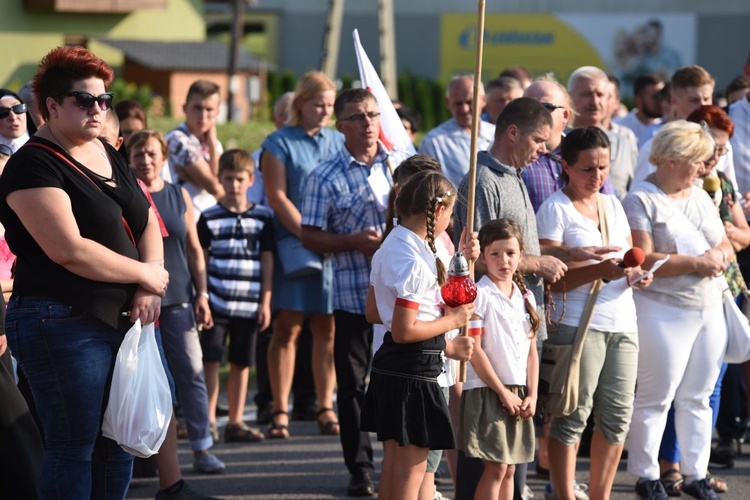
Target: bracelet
point(205, 295)
point(724, 254)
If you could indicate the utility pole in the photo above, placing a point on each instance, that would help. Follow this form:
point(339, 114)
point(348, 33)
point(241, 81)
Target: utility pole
point(234, 54)
point(331, 37)
point(387, 48)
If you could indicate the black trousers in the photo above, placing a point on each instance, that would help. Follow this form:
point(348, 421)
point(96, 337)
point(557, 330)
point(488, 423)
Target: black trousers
point(21, 450)
point(352, 355)
point(732, 420)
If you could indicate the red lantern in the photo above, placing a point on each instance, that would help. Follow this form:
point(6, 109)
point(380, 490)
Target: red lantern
point(460, 288)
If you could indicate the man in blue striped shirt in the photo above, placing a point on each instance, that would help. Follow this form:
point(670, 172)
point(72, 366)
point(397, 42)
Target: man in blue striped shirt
point(343, 213)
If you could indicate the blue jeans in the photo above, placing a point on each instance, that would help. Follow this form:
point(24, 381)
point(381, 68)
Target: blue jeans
point(179, 336)
point(68, 357)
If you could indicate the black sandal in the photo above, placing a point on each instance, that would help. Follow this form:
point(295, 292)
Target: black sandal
point(275, 430)
point(672, 481)
point(329, 427)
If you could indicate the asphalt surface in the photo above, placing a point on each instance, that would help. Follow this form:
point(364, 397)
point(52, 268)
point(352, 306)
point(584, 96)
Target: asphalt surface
point(310, 466)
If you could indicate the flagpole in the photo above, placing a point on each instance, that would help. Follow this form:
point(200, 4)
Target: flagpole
point(473, 151)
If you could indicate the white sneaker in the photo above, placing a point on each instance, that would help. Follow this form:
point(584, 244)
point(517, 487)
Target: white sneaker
point(580, 490)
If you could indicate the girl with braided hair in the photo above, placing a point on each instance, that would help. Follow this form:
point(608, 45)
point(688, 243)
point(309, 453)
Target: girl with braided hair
point(404, 404)
point(499, 395)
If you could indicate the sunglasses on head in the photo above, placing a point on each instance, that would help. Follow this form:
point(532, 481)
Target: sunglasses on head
point(86, 101)
point(18, 109)
point(5, 150)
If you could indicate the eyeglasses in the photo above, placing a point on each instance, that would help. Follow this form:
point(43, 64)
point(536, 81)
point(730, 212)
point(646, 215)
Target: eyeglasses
point(552, 107)
point(18, 109)
point(86, 101)
point(549, 304)
point(5, 150)
point(360, 117)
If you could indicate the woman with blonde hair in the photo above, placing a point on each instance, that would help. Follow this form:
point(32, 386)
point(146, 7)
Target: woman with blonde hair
point(681, 328)
point(288, 157)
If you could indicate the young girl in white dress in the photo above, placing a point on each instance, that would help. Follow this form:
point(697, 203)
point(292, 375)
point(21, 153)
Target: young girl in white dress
point(404, 404)
point(499, 395)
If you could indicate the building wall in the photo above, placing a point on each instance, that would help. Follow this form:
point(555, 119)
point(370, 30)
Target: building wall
point(32, 34)
point(721, 40)
point(720, 43)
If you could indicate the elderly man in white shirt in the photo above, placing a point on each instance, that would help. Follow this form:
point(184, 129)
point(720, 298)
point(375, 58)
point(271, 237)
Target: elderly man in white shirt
point(589, 88)
point(450, 142)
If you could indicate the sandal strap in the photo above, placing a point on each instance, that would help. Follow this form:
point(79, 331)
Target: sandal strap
point(324, 410)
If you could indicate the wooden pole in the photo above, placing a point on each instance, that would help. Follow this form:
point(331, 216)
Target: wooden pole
point(331, 38)
point(473, 151)
point(234, 55)
point(387, 48)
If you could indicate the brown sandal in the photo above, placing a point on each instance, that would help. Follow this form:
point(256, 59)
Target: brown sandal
point(328, 427)
point(242, 433)
point(275, 430)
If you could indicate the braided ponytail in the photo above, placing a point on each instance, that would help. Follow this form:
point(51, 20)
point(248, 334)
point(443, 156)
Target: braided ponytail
point(530, 309)
point(431, 213)
point(422, 194)
point(505, 229)
point(408, 168)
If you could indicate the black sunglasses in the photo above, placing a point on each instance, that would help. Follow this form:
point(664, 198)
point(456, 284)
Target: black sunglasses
point(552, 107)
point(86, 101)
point(18, 109)
point(5, 150)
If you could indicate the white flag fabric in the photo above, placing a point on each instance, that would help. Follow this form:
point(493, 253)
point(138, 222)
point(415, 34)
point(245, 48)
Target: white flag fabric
point(392, 132)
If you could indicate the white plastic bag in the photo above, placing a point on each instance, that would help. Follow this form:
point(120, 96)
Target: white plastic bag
point(140, 403)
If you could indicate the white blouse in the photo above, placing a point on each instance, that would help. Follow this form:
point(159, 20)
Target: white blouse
point(404, 267)
point(505, 337)
point(559, 220)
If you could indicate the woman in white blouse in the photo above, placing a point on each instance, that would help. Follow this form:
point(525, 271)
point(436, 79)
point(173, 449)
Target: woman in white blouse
point(680, 318)
point(571, 217)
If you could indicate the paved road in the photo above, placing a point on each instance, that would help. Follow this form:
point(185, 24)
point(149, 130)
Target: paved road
point(310, 466)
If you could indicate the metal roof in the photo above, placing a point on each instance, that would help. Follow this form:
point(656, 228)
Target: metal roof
point(210, 55)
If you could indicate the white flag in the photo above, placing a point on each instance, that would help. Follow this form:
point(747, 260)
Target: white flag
point(392, 131)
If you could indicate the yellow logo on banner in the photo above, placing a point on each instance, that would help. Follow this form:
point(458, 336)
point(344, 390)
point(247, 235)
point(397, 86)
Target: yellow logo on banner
point(541, 42)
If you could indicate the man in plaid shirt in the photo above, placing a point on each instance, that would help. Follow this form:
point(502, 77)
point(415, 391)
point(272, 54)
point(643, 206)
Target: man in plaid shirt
point(343, 213)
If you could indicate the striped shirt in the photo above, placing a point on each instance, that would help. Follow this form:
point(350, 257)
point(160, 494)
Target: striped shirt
point(234, 243)
point(338, 199)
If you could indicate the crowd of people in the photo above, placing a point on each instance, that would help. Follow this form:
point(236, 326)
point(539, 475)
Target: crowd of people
point(326, 234)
